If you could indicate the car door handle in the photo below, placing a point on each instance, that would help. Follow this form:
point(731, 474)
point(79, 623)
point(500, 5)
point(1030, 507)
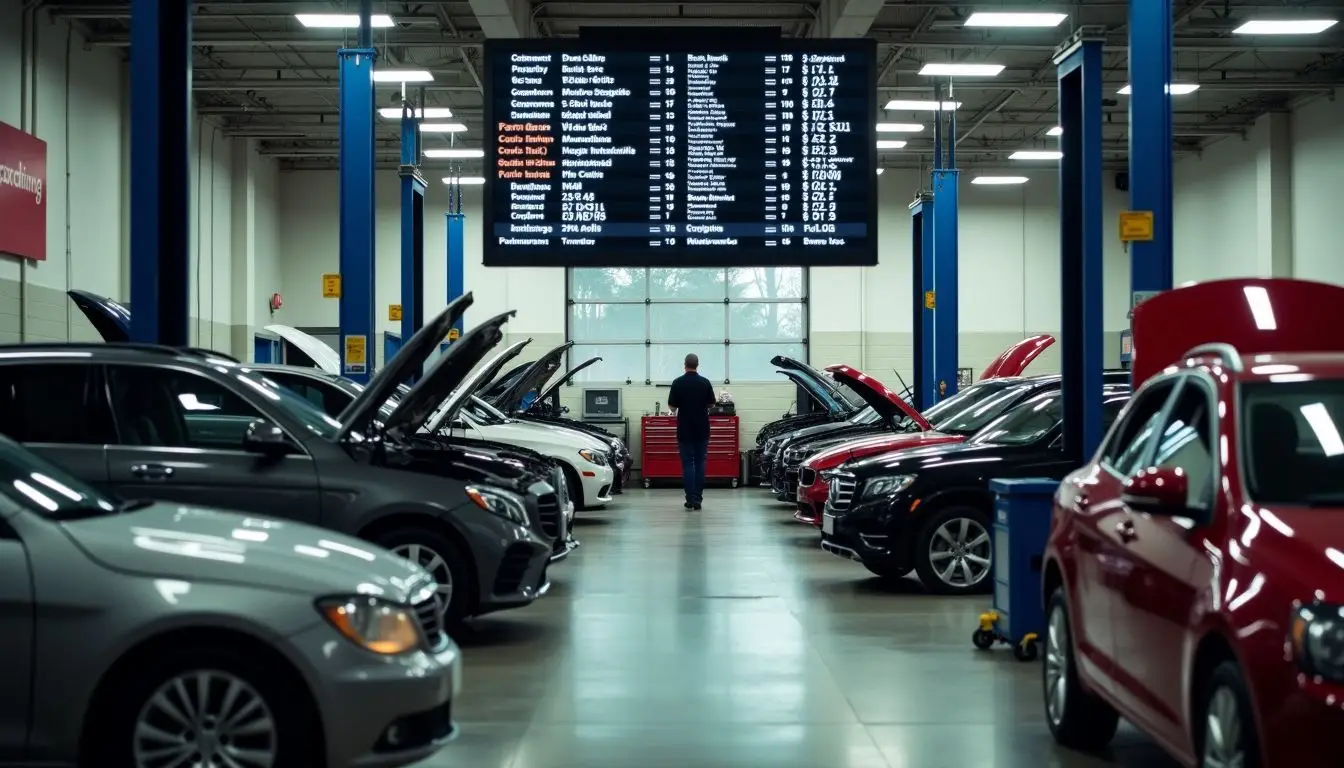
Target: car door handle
point(1125, 530)
point(152, 471)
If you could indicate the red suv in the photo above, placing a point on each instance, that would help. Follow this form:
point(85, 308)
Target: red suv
point(1194, 576)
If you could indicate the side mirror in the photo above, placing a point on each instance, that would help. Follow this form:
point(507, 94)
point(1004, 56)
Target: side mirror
point(564, 409)
point(1158, 491)
point(266, 438)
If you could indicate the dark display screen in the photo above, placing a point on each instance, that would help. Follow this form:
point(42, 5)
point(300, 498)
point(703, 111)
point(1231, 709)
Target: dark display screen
point(658, 155)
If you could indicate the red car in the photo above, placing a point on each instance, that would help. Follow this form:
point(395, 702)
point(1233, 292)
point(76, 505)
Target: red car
point(1194, 575)
point(812, 487)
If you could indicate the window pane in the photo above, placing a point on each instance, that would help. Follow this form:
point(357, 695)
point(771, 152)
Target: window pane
point(751, 362)
point(620, 362)
point(668, 361)
point(607, 322)
point(766, 283)
point(166, 408)
point(687, 322)
point(766, 322)
point(608, 284)
point(57, 403)
point(686, 284)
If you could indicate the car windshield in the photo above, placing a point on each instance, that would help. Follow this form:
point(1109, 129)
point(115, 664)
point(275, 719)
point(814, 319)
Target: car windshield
point(1291, 445)
point(1024, 424)
point(293, 404)
point(966, 398)
point(868, 415)
point(385, 410)
point(978, 410)
point(40, 486)
point(483, 412)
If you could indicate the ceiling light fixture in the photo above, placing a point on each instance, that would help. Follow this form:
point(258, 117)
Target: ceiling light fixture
point(1058, 130)
point(961, 70)
point(1035, 154)
point(424, 113)
point(890, 144)
point(919, 105)
point(1284, 27)
point(998, 181)
point(342, 20)
point(442, 127)
point(464, 181)
point(402, 76)
point(880, 170)
point(454, 153)
point(900, 127)
point(1175, 89)
point(1015, 19)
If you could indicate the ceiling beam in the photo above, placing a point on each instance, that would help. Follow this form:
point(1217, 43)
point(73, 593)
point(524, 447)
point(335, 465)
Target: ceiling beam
point(504, 18)
point(845, 18)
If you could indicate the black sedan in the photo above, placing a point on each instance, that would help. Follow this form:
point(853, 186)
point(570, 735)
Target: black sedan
point(929, 509)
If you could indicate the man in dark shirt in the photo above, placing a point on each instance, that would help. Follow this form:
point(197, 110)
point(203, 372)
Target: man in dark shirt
point(691, 397)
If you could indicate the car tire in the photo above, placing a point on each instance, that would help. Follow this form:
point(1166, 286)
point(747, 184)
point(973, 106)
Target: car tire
point(887, 572)
point(161, 692)
point(442, 558)
point(1078, 719)
point(969, 532)
point(575, 486)
point(1227, 722)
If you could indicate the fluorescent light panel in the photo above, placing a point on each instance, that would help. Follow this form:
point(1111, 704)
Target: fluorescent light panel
point(454, 153)
point(464, 181)
point(918, 105)
point(1175, 89)
point(424, 113)
point(900, 127)
point(997, 181)
point(1284, 27)
point(1015, 19)
point(1058, 130)
point(341, 20)
point(1035, 154)
point(890, 144)
point(402, 76)
point(442, 127)
point(961, 70)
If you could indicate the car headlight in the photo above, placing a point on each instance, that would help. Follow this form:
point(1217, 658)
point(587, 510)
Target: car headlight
point(507, 505)
point(593, 457)
point(886, 486)
point(1318, 640)
point(375, 625)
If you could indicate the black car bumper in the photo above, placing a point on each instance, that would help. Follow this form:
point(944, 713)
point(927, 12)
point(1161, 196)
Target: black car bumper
point(868, 535)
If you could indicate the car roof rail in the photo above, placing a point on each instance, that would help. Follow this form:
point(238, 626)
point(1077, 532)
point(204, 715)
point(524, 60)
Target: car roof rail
point(211, 353)
point(1225, 352)
point(135, 346)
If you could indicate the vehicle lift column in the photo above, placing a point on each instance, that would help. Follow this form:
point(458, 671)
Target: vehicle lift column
point(1150, 156)
point(945, 307)
point(457, 250)
point(357, 200)
point(412, 223)
point(160, 192)
point(925, 387)
point(1078, 62)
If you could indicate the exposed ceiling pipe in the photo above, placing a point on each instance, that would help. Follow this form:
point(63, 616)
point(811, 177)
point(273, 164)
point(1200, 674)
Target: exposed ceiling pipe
point(984, 115)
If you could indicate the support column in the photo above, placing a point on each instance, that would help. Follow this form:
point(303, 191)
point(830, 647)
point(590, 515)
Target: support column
point(945, 311)
point(1150, 157)
point(160, 190)
point(457, 252)
point(924, 387)
point(412, 228)
point(1080, 215)
point(1274, 196)
point(357, 202)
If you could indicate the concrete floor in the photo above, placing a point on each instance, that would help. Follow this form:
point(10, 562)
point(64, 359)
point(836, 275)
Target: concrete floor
point(726, 638)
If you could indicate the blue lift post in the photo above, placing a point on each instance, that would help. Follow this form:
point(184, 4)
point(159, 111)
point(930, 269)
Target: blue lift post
point(1150, 157)
point(160, 146)
point(412, 224)
point(925, 389)
point(457, 249)
point(357, 200)
point(1081, 334)
point(945, 312)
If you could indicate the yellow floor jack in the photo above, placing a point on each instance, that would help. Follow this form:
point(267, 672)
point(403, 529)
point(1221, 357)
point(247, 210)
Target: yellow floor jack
point(984, 638)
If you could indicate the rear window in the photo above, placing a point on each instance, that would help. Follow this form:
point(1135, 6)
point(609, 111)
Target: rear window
point(1291, 444)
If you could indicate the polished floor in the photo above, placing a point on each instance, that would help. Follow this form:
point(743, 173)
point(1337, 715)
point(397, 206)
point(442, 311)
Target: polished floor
point(726, 638)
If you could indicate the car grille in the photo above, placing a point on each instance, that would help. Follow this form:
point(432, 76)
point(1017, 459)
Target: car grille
point(429, 613)
point(840, 495)
point(807, 476)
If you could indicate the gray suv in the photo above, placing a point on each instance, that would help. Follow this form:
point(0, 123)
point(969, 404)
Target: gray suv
point(152, 422)
point(148, 634)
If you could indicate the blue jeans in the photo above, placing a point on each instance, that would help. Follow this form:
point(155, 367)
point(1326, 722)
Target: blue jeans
point(693, 454)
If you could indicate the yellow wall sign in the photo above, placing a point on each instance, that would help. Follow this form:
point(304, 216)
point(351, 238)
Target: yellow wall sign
point(930, 300)
point(1136, 226)
point(454, 334)
point(331, 285)
point(394, 312)
point(356, 354)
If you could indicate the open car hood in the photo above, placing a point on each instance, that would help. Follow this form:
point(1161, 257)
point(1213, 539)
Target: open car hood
point(111, 319)
point(426, 397)
point(887, 403)
point(359, 415)
point(467, 389)
point(820, 395)
point(1015, 359)
point(321, 353)
point(510, 397)
point(821, 380)
point(560, 382)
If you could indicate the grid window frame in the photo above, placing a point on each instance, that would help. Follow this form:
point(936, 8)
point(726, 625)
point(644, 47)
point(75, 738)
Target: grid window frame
point(794, 282)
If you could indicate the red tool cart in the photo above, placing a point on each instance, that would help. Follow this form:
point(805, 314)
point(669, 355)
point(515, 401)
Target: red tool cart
point(658, 439)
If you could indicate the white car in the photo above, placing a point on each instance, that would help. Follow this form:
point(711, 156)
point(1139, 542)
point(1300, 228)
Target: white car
point(585, 459)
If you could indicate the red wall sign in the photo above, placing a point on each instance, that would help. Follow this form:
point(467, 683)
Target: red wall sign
point(23, 194)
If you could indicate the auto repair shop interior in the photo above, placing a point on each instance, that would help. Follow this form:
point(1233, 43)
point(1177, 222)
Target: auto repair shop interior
point(337, 341)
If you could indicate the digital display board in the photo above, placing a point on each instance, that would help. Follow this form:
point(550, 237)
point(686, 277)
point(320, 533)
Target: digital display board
point(603, 153)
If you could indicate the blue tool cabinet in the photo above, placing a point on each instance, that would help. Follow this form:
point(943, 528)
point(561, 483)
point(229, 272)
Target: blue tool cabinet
point(1022, 512)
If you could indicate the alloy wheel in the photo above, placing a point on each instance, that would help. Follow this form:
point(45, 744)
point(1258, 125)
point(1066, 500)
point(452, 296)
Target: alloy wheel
point(434, 563)
point(960, 552)
point(1222, 731)
point(1056, 665)
point(206, 719)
